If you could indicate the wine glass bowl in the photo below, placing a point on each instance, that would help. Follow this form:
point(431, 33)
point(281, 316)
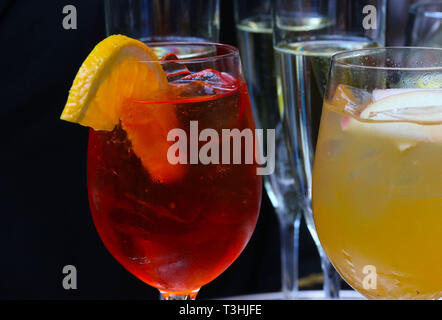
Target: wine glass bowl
point(376, 184)
point(177, 226)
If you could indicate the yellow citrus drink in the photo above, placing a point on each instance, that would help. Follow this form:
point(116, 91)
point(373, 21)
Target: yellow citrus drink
point(377, 190)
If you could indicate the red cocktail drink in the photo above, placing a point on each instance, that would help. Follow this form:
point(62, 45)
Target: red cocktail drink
point(175, 226)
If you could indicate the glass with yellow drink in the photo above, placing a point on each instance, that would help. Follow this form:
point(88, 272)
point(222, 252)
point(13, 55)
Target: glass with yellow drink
point(377, 182)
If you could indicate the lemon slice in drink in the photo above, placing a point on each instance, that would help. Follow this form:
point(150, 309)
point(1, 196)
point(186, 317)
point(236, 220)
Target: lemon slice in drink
point(111, 74)
point(405, 115)
point(422, 106)
point(103, 93)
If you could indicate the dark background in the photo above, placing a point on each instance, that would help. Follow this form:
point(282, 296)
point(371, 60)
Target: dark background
point(45, 222)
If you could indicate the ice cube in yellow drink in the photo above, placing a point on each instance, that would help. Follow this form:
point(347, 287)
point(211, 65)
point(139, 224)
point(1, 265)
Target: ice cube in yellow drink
point(377, 193)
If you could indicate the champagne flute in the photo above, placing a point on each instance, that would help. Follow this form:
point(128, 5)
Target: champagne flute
point(306, 35)
point(254, 30)
point(165, 20)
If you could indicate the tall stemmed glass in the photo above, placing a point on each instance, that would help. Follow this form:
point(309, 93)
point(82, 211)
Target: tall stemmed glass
point(177, 224)
point(254, 30)
point(377, 192)
point(306, 35)
point(425, 24)
point(165, 20)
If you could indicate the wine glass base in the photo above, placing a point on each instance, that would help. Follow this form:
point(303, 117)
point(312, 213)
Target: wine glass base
point(189, 295)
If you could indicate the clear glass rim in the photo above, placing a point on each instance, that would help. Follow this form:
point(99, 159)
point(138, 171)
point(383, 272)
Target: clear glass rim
point(231, 51)
point(339, 58)
point(422, 7)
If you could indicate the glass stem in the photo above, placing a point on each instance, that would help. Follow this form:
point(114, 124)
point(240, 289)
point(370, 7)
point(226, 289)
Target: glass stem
point(289, 231)
point(332, 279)
point(164, 295)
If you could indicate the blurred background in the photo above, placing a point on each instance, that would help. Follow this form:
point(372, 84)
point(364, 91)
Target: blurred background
point(45, 222)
